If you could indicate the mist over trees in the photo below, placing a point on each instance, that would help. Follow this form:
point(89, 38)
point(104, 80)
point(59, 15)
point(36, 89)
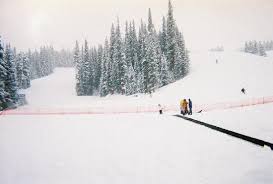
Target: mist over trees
point(18, 69)
point(258, 47)
point(43, 62)
point(136, 62)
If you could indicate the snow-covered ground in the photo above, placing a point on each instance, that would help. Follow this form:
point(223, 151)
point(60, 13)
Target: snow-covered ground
point(143, 148)
point(212, 83)
point(254, 121)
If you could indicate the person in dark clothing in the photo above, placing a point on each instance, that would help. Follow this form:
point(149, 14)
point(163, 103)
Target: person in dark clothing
point(190, 107)
point(243, 90)
point(160, 109)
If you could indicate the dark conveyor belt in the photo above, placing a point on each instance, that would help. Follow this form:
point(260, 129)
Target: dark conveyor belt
point(229, 132)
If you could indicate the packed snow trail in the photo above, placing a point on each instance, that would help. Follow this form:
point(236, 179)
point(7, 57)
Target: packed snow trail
point(228, 132)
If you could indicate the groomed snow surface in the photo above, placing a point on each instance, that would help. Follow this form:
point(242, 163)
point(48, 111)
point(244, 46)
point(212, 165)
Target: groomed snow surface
point(145, 147)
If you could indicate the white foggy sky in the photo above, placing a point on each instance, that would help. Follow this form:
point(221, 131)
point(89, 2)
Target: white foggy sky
point(205, 23)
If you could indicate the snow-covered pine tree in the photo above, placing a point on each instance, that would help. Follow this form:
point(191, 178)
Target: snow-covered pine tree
point(151, 75)
point(19, 70)
point(130, 59)
point(134, 43)
point(43, 58)
point(250, 47)
point(141, 42)
point(270, 45)
point(146, 56)
point(261, 49)
point(111, 65)
point(79, 72)
point(139, 75)
point(26, 72)
point(10, 82)
point(246, 49)
point(150, 27)
point(255, 49)
point(171, 36)
point(127, 45)
point(130, 87)
point(93, 60)
point(33, 71)
point(163, 37)
point(181, 68)
point(98, 63)
point(3, 75)
point(103, 88)
point(87, 81)
point(37, 63)
point(165, 76)
point(119, 63)
point(22, 71)
point(51, 59)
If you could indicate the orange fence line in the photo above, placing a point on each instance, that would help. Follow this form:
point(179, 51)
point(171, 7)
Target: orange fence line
point(138, 109)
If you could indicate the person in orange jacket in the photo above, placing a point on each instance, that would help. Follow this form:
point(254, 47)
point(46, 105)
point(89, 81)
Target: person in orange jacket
point(181, 107)
point(184, 107)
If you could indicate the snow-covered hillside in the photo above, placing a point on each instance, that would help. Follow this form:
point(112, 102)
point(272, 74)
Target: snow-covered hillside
point(142, 148)
point(208, 83)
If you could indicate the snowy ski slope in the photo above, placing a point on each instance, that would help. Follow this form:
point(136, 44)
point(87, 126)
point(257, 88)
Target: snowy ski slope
point(208, 83)
point(144, 148)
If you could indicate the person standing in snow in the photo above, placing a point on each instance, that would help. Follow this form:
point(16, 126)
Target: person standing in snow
point(243, 90)
point(181, 107)
point(160, 109)
point(190, 107)
point(184, 106)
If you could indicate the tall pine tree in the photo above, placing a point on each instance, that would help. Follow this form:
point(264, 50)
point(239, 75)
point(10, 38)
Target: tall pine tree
point(3, 76)
point(10, 82)
point(170, 38)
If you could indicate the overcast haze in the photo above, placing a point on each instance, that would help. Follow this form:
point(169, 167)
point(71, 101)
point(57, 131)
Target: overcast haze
point(205, 23)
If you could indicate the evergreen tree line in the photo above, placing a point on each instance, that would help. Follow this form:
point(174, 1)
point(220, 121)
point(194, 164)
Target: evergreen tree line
point(134, 62)
point(258, 48)
point(217, 49)
point(16, 70)
point(43, 62)
point(8, 78)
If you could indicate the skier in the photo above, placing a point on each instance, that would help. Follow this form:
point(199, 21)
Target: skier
point(160, 109)
point(243, 90)
point(190, 107)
